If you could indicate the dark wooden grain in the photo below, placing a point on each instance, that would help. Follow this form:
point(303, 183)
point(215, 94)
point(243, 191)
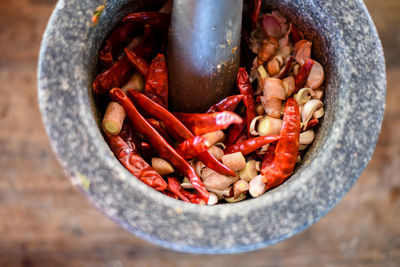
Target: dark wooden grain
point(45, 221)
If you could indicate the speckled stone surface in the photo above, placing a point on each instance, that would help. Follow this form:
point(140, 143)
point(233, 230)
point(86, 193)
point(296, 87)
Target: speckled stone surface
point(348, 47)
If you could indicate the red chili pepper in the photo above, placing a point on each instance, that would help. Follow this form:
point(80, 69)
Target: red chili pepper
point(295, 34)
point(286, 149)
point(176, 129)
point(155, 19)
point(255, 12)
point(192, 147)
point(234, 132)
point(157, 80)
point(201, 123)
point(129, 137)
point(134, 163)
point(147, 151)
point(269, 155)
point(287, 68)
point(245, 88)
point(311, 124)
point(226, 104)
point(164, 149)
point(193, 197)
point(158, 125)
point(116, 76)
point(175, 187)
point(302, 76)
point(118, 38)
point(138, 62)
point(250, 145)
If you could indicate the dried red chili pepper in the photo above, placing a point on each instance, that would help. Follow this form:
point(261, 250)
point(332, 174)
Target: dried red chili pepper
point(301, 77)
point(269, 155)
point(157, 80)
point(227, 104)
point(311, 124)
point(255, 12)
point(176, 129)
point(192, 147)
point(245, 88)
point(201, 123)
point(134, 163)
point(138, 62)
point(295, 34)
point(234, 132)
point(155, 19)
point(286, 149)
point(250, 145)
point(164, 149)
point(118, 38)
point(175, 187)
point(287, 68)
point(116, 76)
point(158, 125)
point(193, 197)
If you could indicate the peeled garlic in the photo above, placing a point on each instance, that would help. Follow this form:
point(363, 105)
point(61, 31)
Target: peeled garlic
point(212, 199)
point(269, 125)
point(303, 96)
point(253, 125)
point(234, 161)
point(319, 113)
point(240, 187)
point(274, 66)
point(214, 137)
point(217, 152)
point(318, 94)
point(233, 200)
point(250, 171)
point(306, 137)
point(308, 110)
point(257, 186)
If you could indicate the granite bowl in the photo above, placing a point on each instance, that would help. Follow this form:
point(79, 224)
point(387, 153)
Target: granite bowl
point(347, 45)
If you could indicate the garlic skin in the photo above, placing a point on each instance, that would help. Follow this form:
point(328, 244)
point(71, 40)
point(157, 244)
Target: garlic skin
point(302, 51)
point(289, 86)
point(303, 96)
point(271, 26)
point(267, 50)
point(316, 77)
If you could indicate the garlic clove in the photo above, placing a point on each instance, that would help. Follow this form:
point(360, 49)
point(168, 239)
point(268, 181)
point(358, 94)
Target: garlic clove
point(302, 51)
point(273, 88)
point(272, 106)
point(309, 108)
point(306, 137)
point(319, 113)
point(316, 76)
point(289, 86)
point(303, 96)
point(257, 186)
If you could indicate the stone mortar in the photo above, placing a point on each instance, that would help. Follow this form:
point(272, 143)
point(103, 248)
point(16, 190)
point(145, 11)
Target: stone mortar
point(346, 44)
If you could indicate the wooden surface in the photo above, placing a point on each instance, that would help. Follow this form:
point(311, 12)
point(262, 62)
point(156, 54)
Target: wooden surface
point(45, 221)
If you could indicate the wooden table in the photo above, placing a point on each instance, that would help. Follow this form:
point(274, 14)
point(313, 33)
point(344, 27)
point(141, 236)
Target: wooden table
point(45, 221)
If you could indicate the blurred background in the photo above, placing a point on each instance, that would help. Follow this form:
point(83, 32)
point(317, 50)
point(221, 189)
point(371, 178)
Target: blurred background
point(45, 221)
